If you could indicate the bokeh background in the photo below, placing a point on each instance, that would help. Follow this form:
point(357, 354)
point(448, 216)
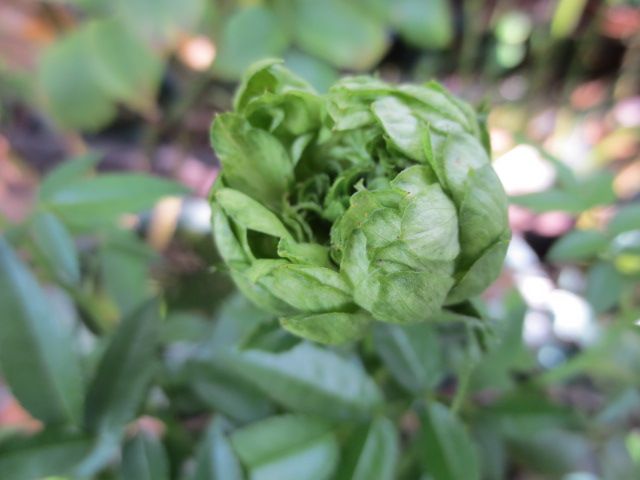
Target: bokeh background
point(132, 85)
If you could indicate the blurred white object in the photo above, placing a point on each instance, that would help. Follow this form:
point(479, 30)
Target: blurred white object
point(573, 317)
point(536, 329)
point(523, 170)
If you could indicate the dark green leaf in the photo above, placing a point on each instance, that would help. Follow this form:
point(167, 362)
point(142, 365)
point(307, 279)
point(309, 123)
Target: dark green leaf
point(105, 450)
point(56, 247)
point(448, 452)
point(126, 68)
point(311, 380)
point(125, 369)
point(144, 458)
point(42, 456)
point(289, 447)
point(372, 454)
point(578, 245)
point(235, 320)
point(550, 451)
point(125, 262)
point(36, 352)
point(423, 24)
point(412, 354)
point(214, 382)
point(216, 459)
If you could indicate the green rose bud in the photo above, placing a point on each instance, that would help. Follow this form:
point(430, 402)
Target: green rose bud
point(373, 202)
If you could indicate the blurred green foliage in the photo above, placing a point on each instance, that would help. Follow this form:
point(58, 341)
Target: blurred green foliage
point(135, 364)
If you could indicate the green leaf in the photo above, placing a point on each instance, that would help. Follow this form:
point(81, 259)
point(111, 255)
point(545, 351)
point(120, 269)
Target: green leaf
point(482, 272)
point(308, 379)
point(36, 352)
point(105, 449)
point(214, 382)
point(248, 35)
point(94, 201)
point(604, 286)
point(41, 456)
point(551, 451)
point(585, 194)
point(288, 447)
point(120, 383)
point(125, 262)
point(216, 459)
point(423, 24)
point(234, 321)
point(549, 200)
point(331, 328)
point(507, 352)
point(81, 103)
point(253, 161)
point(127, 70)
point(626, 219)
point(159, 21)
point(185, 326)
point(307, 288)
point(596, 189)
point(401, 124)
point(144, 458)
point(412, 355)
point(338, 32)
point(250, 214)
point(56, 247)
point(578, 245)
point(372, 454)
point(316, 72)
point(67, 172)
point(447, 450)
point(304, 253)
